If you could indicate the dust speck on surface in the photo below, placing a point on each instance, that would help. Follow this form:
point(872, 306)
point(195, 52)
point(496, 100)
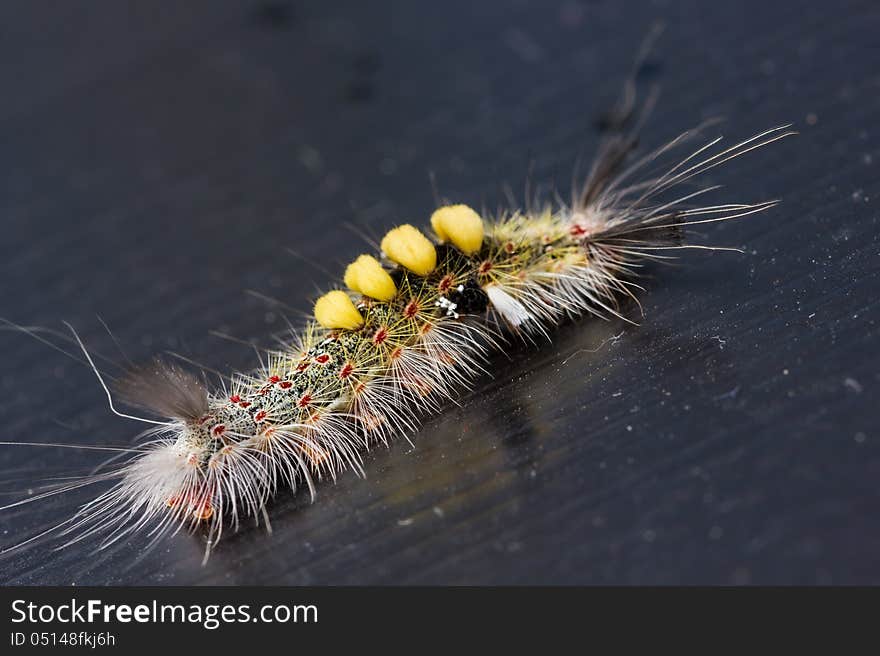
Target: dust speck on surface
point(853, 384)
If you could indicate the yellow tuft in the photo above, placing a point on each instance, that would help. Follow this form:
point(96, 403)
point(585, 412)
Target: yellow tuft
point(335, 310)
point(461, 225)
point(366, 276)
point(410, 248)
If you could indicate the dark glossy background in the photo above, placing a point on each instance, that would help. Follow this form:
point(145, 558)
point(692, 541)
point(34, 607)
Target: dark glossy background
point(159, 159)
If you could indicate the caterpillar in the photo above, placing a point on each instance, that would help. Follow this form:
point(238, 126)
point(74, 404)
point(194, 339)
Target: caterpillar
point(410, 328)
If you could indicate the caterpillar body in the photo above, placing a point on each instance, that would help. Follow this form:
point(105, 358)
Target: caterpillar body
point(409, 329)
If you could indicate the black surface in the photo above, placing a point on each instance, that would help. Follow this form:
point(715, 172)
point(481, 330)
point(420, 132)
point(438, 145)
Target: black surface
point(159, 158)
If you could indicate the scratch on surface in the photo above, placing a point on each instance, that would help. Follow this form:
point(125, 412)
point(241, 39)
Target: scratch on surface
point(721, 342)
point(613, 340)
point(853, 384)
point(523, 45)
point(728, 395)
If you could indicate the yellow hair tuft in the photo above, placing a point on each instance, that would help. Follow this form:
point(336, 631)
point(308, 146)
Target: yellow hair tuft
point(335, 310)
point(461, 225)
point(410, 248)
point(366, 276)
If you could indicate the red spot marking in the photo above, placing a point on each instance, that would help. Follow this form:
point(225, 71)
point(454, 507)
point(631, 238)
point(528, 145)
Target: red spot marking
point(235, 398)
point(218, 430)
point(396, 353)
point(285, 384)
point(305, 400)
point(509, 247)
point(485, 267)
point(577, 230)
point(412, 308)
point(315, 455)
point(274, 379)
point(381, 335)
point(302, 366)
point(203, 511)
point(192, 459)
point(260, 416)
point(346, 370)
point(370, 421)
point(324, 358)
point(422, 386)
point(359, 388)
point(315, 417)
point(426, 328)
point(263, 391)
point(445, 284)
point(204, 419)
point(245, 404)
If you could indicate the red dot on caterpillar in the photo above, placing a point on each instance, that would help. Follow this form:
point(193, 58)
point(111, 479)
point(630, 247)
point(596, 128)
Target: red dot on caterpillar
point(371, 422)
point(380, 335)
point(315, 454)
point(203, 511)
point(412, 309)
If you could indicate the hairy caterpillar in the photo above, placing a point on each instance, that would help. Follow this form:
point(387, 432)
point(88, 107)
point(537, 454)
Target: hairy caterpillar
point(410, 327)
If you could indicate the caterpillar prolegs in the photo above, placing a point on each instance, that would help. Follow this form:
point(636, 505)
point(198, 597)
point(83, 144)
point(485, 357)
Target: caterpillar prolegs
point(410, 327)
